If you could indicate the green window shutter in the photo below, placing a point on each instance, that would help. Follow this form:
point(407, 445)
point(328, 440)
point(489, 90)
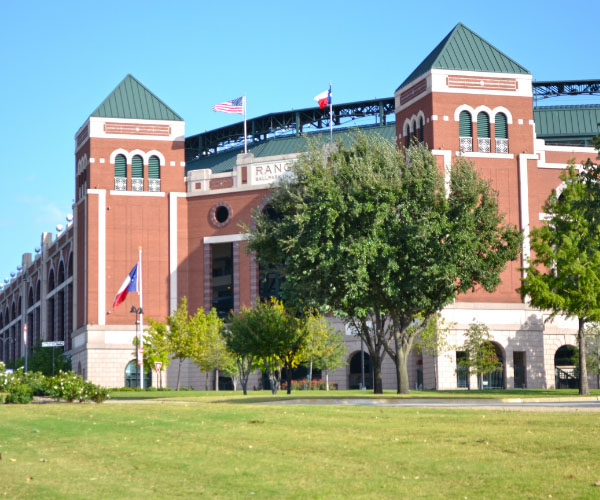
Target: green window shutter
point(154, 168)
point(120, 166)
point(465, 124)
point(483, 125)
point(501, 128)
point(137, 167)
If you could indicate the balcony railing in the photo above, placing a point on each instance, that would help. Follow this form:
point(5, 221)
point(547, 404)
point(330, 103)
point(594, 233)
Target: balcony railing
point(466, 144)
point(120, 183)
point(501, 145)
point(137, 184)
point(484, 144)
point(154, 185)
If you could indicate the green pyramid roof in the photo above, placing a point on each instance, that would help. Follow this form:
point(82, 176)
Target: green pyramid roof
point(132, 100)
point(465, 50)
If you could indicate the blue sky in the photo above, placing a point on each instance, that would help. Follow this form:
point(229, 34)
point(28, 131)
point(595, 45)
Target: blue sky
point(59, 60)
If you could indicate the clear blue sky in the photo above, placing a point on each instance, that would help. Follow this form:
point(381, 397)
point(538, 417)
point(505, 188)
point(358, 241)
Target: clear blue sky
point(59, 60)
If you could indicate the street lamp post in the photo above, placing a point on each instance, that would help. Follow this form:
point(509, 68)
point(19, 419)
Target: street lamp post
point(140, 345)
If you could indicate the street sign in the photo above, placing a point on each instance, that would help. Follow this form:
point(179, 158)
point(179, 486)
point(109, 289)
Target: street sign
point(56, 343)
point(140, 357)
point(158, 365)
point(25, 333)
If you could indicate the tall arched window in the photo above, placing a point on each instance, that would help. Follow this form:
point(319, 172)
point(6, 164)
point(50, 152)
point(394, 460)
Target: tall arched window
point(132, 375)
point(465, 131)
point(120, 173)
point(137, 173)
point(483, 133)
point(422, 131)
point(154, 174)
point(407, 135)
point(501, 132)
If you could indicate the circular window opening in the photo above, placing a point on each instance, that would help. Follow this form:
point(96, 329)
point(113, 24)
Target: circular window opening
point(221, 214)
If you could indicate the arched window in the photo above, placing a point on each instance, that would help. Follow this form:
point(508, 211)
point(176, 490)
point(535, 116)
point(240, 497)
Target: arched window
point(30, 300)
point(407, 135)
point(137, 173)
point(132, 375)
point(154, 174)
point(70, 265)
point(483, 133)
point(120, 173)
point(38, 294)
point(422, 131)
point(51, 280)
point(465, 131)
point(501, 132)
point(61, 273)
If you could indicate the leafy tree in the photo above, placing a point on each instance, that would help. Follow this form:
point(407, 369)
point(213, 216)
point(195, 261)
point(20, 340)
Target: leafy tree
point(480, 356)
point(433, 340)
point(156, 347)
point(40, 360)
point(325, 346)
point(592, 337)
point(370, 234)
point(564, 274)
point(212, 353)
point(240, 336)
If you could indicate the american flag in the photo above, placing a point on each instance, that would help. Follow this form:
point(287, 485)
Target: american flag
point(234, 106)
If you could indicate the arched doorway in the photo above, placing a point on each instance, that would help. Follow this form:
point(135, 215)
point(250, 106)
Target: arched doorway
point(132, 375)
point(355, 376)
point(495, 379)
point(566, 374)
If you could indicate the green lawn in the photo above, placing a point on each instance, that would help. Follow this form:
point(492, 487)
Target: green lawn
point(165, 451)
point(257, 396)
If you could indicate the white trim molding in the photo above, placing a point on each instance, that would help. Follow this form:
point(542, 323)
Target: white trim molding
point(524, 209)
point(159, 194)
point(101, 253)
point(173, 251)
point(226, 238)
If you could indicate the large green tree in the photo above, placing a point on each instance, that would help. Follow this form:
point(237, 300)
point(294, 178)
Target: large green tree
point(370, 233)
point(564, 272)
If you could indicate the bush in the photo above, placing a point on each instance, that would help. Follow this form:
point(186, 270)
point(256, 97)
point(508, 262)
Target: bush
point(95, 393)
point(19, 393)
point(303, 385)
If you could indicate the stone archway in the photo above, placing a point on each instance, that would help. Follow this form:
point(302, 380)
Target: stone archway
point(566, 374)
point(496, 379)
point(356, 370)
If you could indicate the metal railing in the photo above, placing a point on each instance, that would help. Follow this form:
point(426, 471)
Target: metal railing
point(484, 144)
point(120, 183)
point(501, 145)
point(466, 144)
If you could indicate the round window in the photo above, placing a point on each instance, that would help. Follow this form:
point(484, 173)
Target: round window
point(220, 214)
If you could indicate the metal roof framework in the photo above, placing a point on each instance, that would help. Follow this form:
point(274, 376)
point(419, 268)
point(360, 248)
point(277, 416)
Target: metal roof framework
point(544, 90)
point(292, 122)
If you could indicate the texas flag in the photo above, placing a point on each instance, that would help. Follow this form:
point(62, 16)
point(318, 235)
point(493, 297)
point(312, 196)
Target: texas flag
point(324, 98)
point(130, 284)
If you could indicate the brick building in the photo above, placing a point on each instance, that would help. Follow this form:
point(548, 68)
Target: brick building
point(141, 182)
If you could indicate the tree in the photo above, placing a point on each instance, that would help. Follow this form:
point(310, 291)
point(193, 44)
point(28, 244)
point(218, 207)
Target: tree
point(156, 347)
point(212, 353)
point(480, 356)
point(564, 274)
point(325, 347)
point(370, 234)
point(433, 340)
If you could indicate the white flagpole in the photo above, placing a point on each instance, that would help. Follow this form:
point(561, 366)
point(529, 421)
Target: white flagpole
point(141, 332)
point(245, 131)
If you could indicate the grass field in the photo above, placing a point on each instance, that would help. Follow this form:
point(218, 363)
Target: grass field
point(258, 396)
point(196, 450)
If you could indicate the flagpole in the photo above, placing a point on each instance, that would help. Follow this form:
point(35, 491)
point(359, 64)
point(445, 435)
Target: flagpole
point(330, 114)
point(141, 331)
point(245, 132)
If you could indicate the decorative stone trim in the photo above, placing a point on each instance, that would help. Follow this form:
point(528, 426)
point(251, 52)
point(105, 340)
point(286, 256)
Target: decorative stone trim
point(216, 217)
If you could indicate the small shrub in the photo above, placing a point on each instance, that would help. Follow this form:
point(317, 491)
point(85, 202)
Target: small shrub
point(95, 393)
point(19, 393)
point(66, 385)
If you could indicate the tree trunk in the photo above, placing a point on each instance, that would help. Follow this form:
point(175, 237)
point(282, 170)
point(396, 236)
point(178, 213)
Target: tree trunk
point(326, 380)
point(216, 379)
point(289, 379)
point(377, 377)
point(310, 374)
point(179, 374)
point(584, 389)
point(402, 370)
